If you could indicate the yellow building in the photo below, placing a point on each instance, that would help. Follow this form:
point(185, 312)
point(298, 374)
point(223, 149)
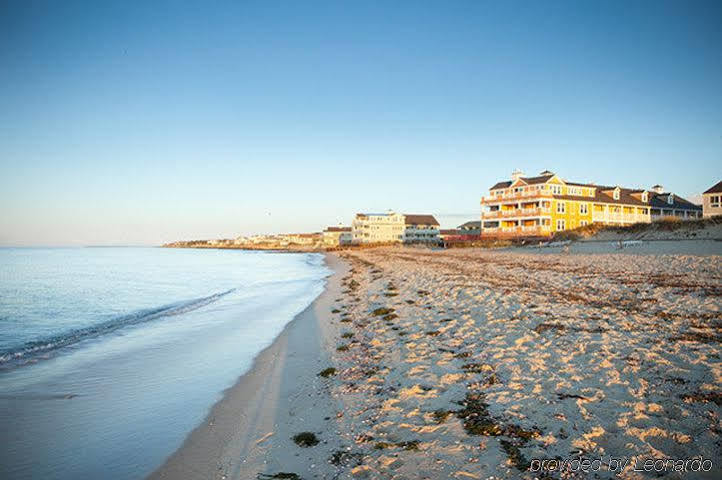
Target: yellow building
point(539, 206)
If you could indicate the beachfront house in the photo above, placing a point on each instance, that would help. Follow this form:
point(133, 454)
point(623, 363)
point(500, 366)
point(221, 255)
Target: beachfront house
point(668, 205)
point(392, 227)
point(470, 228)
point(420, 229)
point(712, 201)
point(337, 236)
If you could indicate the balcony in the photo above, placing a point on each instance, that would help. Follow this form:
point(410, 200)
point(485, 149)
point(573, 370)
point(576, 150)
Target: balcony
point(517, 196)
point(620, 218)
point(516, 213)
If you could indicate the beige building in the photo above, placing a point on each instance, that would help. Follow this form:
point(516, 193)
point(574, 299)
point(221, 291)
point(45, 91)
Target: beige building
point(712, 201)
point(337, 236)
point(392, 227)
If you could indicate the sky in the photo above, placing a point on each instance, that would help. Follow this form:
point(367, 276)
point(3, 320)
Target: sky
point(138, 123)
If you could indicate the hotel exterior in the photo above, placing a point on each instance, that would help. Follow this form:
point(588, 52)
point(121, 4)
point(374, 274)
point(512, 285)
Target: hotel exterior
point(541, 205)
point(392, 227)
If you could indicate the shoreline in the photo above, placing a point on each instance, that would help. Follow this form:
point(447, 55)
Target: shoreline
point(243, 426)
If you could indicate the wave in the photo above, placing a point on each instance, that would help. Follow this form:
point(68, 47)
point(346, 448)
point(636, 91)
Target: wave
point(46, 345)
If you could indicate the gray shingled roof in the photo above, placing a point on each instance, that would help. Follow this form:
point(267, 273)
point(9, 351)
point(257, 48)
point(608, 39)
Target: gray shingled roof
point(659, 200)
point(470, 225)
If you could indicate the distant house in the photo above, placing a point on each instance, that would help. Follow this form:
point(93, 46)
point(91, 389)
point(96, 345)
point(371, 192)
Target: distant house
point(470, 228)
point(392, 227)
point(666, 204)
point(420, 229)
point(337, 236)
point(302, 238)
point(712, 201)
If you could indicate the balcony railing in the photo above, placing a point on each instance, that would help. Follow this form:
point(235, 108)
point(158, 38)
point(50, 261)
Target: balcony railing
point(608, 217)
point(516, 213)
point(516, 196)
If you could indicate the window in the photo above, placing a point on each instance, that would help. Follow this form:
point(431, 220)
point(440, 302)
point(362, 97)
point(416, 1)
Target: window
point(556, 189)
point(561, 207)
point(645, 197)
point(714, 201)
point(560, 224)
point(583, 208)
point(670, 199)
point(616, 194)
point(583, 223)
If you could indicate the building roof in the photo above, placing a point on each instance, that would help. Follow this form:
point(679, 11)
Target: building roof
point(474, 224)
point(451, 231)
point(659, 200)
point(539, 179)
point(506, 184)
point(337, 229)
point(715, 189)
point(625, 194)
point(414, 219)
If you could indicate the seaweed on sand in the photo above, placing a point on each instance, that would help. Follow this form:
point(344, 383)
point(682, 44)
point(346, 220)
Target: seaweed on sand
point(441, 415)
point(346, 458)
point(305, 439)
point(476, 418)
point(327, 372)
point(279, 475)
point(515, 456)
point(382, 311)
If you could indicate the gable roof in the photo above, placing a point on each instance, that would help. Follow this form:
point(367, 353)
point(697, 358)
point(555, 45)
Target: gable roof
point(526, 180)
point(337, 229)
point(715, 189)
point(474, 224)
point(505, 184)
point(414, 219)
point(659, 200)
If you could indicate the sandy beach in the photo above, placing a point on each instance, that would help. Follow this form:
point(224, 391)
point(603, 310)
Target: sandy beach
point(474, 364)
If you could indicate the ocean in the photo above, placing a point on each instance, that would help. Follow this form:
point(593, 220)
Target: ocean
point(109, 357)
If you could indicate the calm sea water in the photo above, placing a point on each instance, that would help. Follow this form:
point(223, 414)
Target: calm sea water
point(109, 357)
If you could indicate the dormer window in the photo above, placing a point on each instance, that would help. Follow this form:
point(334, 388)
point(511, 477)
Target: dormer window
point(616, 194)
point(645, 197)
point(670, 199)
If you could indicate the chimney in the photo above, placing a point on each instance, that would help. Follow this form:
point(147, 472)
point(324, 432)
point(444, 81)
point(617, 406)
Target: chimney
point(658, 189)
point(516, 174)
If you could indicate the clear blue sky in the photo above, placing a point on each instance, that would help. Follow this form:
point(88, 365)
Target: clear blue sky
point(139, 123)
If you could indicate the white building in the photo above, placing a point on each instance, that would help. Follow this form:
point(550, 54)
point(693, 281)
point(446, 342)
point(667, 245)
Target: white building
point(392, 227)
point(337, 236)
